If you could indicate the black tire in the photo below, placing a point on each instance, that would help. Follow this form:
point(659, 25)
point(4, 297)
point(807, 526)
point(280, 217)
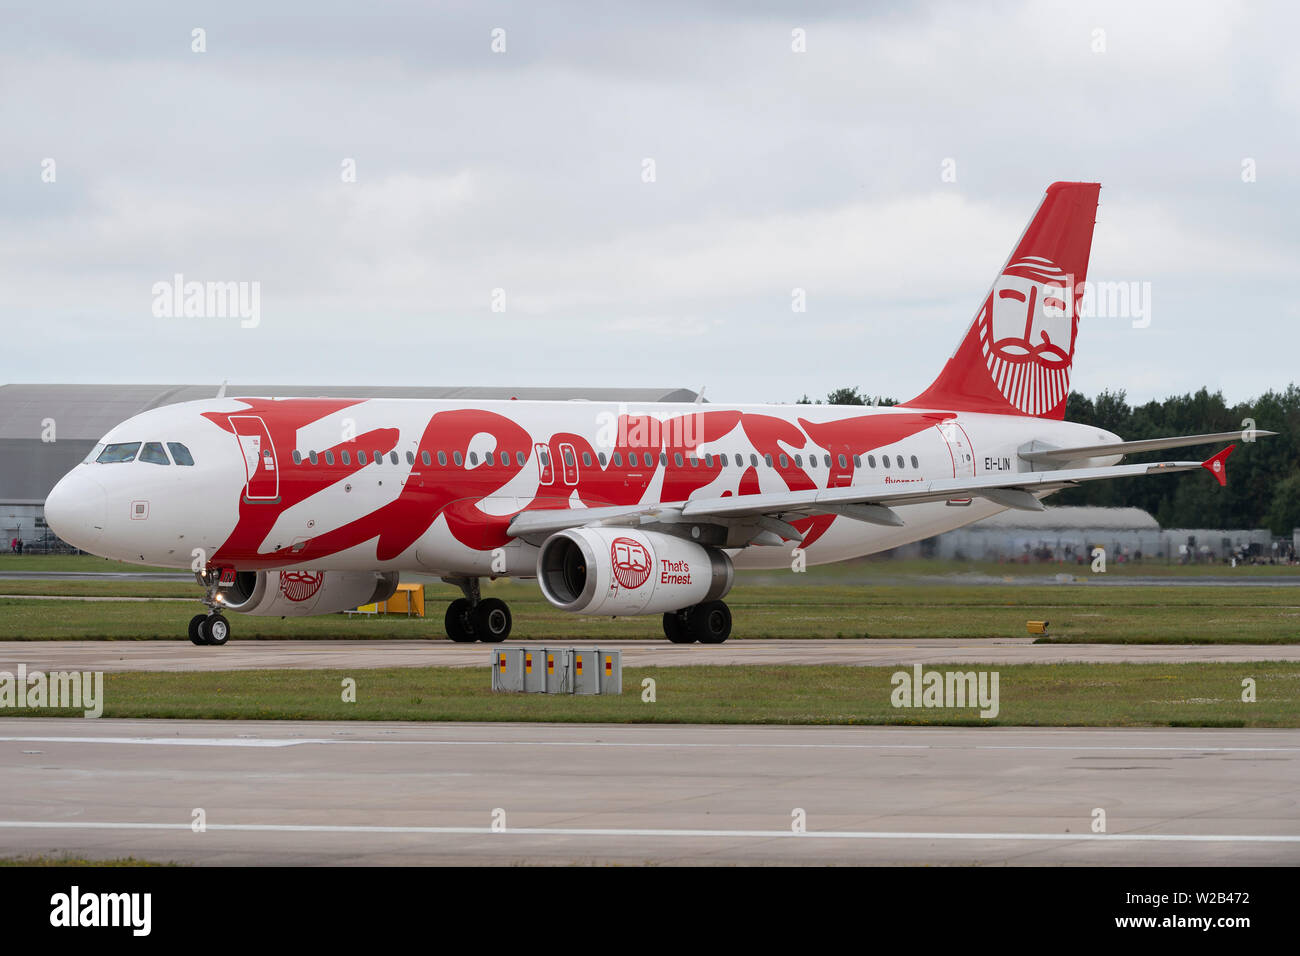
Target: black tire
point(675, 629)
point(459, 626)
point(710, 622)
point(215, 630)
point(492, 621)
point(195, 622)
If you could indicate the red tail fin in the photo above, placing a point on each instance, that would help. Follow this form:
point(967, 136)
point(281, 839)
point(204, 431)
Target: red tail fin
point(1218, 465)
point(1016, 357)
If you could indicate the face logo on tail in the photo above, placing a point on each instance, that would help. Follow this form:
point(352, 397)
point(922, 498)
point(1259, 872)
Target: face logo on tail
point(300, 585)
point(631, 562)
point(1027, 330)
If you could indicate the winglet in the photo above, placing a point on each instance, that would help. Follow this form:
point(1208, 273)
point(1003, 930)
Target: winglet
point(1218, 465)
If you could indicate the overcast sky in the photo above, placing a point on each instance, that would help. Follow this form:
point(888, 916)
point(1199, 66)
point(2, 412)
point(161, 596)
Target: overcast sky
point(524, 171)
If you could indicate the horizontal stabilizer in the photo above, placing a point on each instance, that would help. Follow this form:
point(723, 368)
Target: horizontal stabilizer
point(1038, 452)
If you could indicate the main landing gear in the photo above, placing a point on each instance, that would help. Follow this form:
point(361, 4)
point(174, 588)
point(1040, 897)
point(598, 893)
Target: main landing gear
point(212, 626)
point(708, 623)
point(475, 618)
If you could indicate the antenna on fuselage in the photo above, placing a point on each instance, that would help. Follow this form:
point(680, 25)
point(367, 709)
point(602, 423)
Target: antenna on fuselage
point(699, 396)
point(221, 392)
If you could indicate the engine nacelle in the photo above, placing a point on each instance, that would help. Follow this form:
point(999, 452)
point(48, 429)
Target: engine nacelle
point(618, 571)
point(300, 593)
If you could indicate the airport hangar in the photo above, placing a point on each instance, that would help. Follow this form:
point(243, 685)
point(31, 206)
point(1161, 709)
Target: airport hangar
point(47, 429)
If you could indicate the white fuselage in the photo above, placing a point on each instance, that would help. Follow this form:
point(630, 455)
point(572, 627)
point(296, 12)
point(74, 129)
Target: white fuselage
point(294, 483)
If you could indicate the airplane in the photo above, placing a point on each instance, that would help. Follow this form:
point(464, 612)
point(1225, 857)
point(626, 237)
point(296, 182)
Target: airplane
point(300, 506)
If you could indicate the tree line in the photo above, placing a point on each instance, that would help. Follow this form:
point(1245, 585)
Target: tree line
point(1263, 476)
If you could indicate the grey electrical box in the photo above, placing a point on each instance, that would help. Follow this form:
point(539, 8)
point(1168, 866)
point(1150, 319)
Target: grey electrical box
point(508, 669)
point(547, 671)
point(597, 671)
point(557, 670)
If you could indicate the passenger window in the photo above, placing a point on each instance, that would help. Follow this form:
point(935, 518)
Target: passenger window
point(473, 458)
point(118, 452)
point(410, 458)
point(519, 459)
point(871, 461)
point(425, 458)
point(297, 457)
point(586, 459)
point(812, 460)
point(153, 453)
point(785, 462)
point(618, 460)
point(488, 458)
point(329, 458)
point(361, 458)
point(753, 460)
point(458, 459)
point(899, 458)
point(442, 459)
point(857, 461)
point(311, 457)
point(677, 458)
point(663, 458)
point(347, 458)
point(740, 462)
point(392, 456)
point(180, 454)
point(379, 457)
point(568, 457)
point(767, 460)
point(546, 460)
point(844, 462)
point(695, 461)
point(915, 463)
point(601, 458)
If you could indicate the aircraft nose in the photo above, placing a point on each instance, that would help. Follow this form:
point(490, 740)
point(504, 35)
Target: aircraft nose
point(75, 510)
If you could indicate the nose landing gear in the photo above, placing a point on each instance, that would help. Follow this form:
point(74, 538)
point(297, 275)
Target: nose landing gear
point(212, 627)
point(474, 618)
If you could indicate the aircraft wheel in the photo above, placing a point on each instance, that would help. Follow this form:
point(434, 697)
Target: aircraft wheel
point(195, 623)
point(215, 629)
point(458, 623)
point(675, 629)
point(491, 620)
point(710, 622)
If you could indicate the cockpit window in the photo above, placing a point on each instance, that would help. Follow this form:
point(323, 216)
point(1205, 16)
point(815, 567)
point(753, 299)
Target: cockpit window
point(94, 453)
point(118, 452)
point(180, 453)
point(153, 453)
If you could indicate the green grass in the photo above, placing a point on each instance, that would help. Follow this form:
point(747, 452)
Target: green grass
point(873, 567)
point(43, 861)
point(1109, 695)
point(797, 607)
point(70, 562)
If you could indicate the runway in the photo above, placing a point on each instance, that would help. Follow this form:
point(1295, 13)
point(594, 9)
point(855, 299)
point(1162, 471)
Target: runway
point(398, 793)
point(181, 655)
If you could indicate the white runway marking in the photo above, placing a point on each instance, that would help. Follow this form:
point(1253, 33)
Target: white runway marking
point(730, 745)
point(652, 833)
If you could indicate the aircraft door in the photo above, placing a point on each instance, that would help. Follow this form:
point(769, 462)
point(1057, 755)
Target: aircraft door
point(262, 474)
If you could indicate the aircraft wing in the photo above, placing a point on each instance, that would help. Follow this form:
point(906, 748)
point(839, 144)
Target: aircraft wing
point(870, 503)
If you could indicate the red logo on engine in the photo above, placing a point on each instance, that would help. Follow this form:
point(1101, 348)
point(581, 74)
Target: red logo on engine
point(631, 562)
point(298, 586)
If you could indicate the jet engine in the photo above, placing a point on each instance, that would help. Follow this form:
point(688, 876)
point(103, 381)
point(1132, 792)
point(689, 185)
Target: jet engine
point(300, 593)
point(617, 571)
